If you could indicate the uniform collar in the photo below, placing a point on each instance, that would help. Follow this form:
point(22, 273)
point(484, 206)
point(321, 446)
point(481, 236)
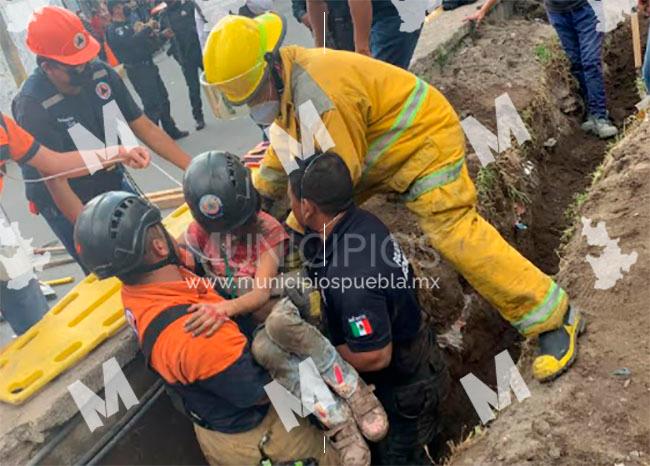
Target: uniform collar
point(334, 238)
point(286, 101)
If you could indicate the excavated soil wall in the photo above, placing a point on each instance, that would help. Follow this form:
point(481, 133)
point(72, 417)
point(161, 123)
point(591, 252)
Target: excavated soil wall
point(525, 193)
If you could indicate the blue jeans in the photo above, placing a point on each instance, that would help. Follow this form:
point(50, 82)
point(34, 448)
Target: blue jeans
point(583, 45)
point(24, 307)
point(389, 44)
point(646, 66)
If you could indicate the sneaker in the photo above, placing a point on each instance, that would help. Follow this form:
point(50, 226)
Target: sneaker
point(200, 124)
point(589, 125)
point(349, 444)
point(558, 348)
point(368, 412)
point(604, 129)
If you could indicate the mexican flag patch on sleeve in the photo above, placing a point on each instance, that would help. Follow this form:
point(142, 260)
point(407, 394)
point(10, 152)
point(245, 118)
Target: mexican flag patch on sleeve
point(360, 326)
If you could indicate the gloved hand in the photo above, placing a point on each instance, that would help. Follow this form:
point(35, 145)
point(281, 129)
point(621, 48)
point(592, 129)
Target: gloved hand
point(306, 299)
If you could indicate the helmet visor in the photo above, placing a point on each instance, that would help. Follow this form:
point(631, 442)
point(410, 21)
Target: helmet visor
point(220, 99)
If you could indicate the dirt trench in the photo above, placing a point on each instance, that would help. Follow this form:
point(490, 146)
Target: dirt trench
point(532, 186)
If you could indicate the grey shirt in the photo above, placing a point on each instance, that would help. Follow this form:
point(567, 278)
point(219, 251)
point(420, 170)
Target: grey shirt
point(563, 6)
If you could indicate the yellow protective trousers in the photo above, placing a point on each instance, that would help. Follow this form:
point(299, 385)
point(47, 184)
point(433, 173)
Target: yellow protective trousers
point(445, 202)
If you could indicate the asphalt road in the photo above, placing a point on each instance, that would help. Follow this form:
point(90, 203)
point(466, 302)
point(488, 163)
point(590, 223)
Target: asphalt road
point(236, 136)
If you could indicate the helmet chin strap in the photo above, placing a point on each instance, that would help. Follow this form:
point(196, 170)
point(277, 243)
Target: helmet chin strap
point(171, 259)
point(272, 59)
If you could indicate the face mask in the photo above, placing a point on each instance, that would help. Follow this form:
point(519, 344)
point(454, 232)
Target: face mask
point(80, 78)
point(265, 113)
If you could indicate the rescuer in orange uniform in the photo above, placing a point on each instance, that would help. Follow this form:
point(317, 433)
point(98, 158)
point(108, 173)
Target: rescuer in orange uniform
point(219, 384)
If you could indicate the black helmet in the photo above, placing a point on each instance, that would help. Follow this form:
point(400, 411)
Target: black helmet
point(219, 191)
point(110, 234)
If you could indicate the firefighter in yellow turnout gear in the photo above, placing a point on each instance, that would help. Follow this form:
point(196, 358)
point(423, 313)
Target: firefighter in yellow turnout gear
point(396, 134)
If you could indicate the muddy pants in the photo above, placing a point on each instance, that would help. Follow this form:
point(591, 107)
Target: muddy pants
point(285, 341)
point(445, 202)
point(304, 441)
point(411, 401)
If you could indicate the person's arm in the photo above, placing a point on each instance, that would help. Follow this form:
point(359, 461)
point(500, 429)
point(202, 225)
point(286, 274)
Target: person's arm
point(25, 150)
point(644, 7)
point(65, 198)
point(361, 12)
point(480, 14)
point(299, 10)
point(207, 318)
point(366, 326)
point(367, 361)
point(315, 11)
point(159, 141)
point(72, 164)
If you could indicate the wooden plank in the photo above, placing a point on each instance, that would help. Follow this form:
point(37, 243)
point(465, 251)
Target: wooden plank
point(167, 199)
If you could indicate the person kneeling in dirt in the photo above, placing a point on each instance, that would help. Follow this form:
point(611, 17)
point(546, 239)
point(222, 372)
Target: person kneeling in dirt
point(376, 325)
point(240, 247)
point(215, 378)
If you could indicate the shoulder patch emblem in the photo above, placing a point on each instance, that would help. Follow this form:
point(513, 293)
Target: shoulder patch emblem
point(360, 326)
point(103, 90)
point(130, 319)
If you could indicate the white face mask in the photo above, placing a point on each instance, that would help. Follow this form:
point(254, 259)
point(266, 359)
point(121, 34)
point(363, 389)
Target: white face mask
point(265, 113)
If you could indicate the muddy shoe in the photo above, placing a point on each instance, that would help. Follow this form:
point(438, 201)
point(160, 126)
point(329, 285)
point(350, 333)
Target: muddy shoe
point(349, 444)
point(558, 348)
point(368, 412)
point(604, 128)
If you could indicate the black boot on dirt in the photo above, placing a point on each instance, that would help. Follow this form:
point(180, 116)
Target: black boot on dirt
point(559, 347)
point(177, 134)
point(200, 124)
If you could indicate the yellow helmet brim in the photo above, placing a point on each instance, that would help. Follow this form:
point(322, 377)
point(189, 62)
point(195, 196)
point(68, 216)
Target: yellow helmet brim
point(239, 89)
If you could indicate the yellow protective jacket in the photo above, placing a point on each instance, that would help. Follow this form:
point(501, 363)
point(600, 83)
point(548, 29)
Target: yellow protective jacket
point(389, 126)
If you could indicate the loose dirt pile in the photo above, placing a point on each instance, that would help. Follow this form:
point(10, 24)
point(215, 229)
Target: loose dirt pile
point(530, 186)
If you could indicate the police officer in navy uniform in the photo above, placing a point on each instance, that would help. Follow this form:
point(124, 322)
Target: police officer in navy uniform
point(178, 18)
point(69, 93)
point(376, 322)
point(134, 46)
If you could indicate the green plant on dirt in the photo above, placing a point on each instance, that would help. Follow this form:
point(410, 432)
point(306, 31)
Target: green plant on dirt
point(543, 53)
point(518, 196)
point(571, 215)
point(486, 179)
point(442, 58)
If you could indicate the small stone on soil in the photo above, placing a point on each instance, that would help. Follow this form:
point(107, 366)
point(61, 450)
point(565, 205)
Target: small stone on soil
point(554, 452)
point(541, 427)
